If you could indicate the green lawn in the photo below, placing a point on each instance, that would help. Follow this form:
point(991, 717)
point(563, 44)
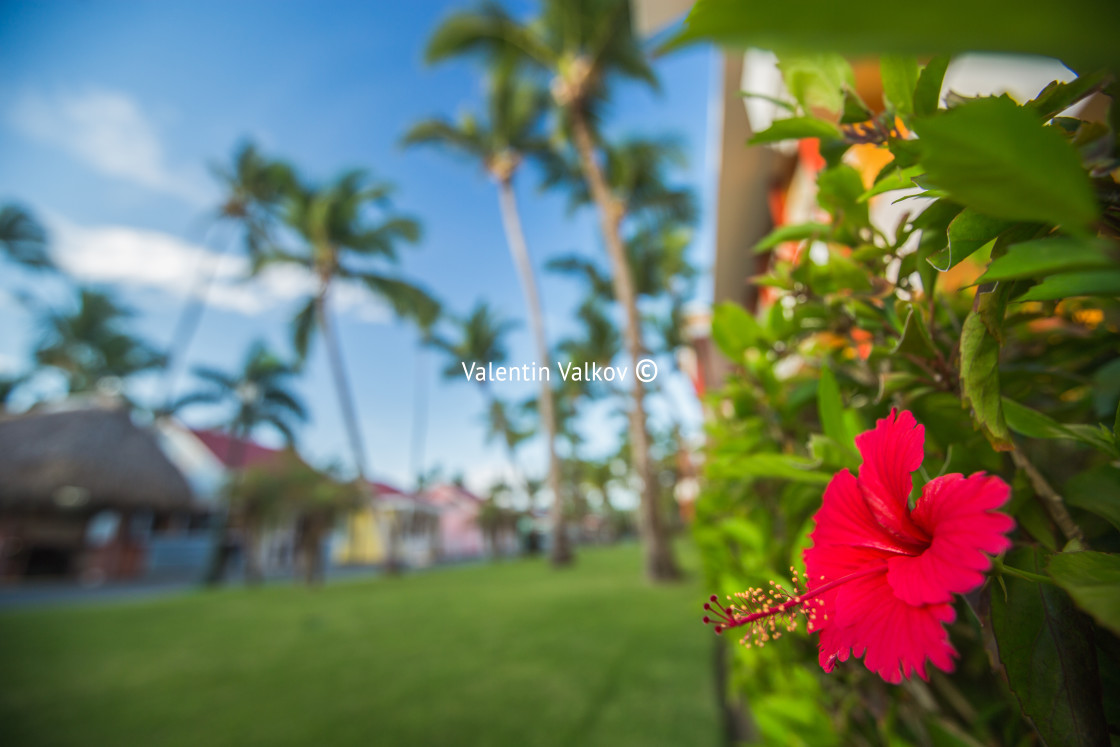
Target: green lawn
point(511, 653)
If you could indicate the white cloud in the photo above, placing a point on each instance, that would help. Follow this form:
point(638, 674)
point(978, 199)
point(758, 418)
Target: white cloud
point(109, 131)
point(158, 261)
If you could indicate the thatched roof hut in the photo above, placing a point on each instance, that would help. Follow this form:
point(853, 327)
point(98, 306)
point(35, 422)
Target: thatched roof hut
point(85, 459)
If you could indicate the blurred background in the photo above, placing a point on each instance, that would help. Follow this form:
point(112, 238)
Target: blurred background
point(279, 286)
point(249, 254)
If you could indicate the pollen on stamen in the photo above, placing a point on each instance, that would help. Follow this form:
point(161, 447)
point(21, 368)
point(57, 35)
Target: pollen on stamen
point(764, 613)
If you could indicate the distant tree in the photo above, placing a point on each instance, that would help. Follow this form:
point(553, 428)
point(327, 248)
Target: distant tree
point(258, 395)
point(500, 143)
point(479, 338)
point(338, 239)
point(582, 45)
point(425, 324)
point(23, 240)
point(495, 521)
point(312, 499)
point(90, 344)
point(253, 190)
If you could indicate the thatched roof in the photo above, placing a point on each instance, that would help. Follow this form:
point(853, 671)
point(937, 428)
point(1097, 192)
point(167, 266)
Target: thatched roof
point(86, 458)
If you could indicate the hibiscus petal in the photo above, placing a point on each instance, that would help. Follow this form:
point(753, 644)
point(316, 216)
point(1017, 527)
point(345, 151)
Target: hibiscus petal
point(894, 638)
point(845, 521)
point(890, 453)
point(956, 512)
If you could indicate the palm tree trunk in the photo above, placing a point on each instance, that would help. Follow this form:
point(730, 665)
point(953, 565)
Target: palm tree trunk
point(659, 561)
point(341, 383)
point(345, 401)
point(519, 475)
point(186, 327)
point(419, 415)
point(518, 248)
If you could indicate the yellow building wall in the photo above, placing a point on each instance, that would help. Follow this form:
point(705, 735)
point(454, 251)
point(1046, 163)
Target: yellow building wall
point(361, 540)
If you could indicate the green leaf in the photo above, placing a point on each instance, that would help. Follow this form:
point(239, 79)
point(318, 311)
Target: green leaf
point(798, 232)
point(927, 94)
point(896, 179)
point(997, 158)
point(1116, 428)
point(781, 103)
point(1097, 491)
point(944, 733)
point(916, 339)
point(744, 532)
point(830, 454)
point(1093, 580)
point(1034, 424)
point(1057, 287)
point(831, 409)
point(900, 77)
point(1082, 33)
point(980, 380)
point(854, 109)
point(817, 81)
point(1057, 97)
point(838, 191)
point(734, 330)
point(795, 128)
point(1046, 648)
point(780, 466)
point(968, 232)
point(1048, 256)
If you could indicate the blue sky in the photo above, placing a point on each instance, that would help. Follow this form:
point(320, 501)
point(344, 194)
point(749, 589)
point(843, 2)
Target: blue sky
point(110, 113)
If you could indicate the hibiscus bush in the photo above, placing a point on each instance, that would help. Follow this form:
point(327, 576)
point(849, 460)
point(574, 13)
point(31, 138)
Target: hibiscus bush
point(919, 443)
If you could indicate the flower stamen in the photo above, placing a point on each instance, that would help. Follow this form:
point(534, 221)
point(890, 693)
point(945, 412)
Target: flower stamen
point(766, 612)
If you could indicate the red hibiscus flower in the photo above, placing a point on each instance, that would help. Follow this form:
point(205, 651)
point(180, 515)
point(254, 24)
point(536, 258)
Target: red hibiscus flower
point(880, 576)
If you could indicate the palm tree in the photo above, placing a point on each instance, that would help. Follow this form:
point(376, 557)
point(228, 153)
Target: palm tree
point(338, 240)
point(257, 395)
point(502, 424)
point(582, 45)
point(253, 188)
point(500, 144)
point(425, 325)
point(90, 345)
point(479, 339)
point(22, 239)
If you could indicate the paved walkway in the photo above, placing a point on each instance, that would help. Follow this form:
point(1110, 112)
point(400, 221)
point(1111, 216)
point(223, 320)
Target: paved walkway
point(51, 593)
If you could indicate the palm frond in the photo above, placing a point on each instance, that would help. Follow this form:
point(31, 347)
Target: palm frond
point(447, 133)
point(406, 299)
point(490, 32)
point(218, 378)
point(23, 239)
point(286, 402)
point(213, 397)
point(303, 328)
point(598, 280)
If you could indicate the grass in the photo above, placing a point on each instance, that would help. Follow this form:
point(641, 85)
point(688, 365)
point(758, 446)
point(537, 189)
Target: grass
point(512, 653)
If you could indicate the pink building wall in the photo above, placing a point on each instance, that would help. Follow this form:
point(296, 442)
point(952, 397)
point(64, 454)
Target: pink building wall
point(460, 535)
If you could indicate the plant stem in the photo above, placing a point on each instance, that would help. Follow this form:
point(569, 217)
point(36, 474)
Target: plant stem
point(1020, 573)
point(1051, 500)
